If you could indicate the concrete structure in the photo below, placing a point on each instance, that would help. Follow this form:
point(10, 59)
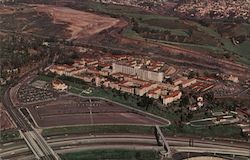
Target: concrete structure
point(59, 85)
point(143, 89)
point(180, 81)
point(154, 93)
point(233, 79)
point(188, 82)
point(66, 70)
point(140, 73)
point(161, 141)
point(173, 96)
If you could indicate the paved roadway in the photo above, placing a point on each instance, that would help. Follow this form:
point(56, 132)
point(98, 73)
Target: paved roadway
point(139, 142)
point(34, 140)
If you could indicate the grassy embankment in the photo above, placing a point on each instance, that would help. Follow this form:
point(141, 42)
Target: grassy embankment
point(2, 89)
point(220, 131)
point(9, 135)
point(118, 154)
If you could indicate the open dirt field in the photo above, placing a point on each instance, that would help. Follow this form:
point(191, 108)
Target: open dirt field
point(75, 111)
point(6, 10)
point(80, 23)
point(5, 121)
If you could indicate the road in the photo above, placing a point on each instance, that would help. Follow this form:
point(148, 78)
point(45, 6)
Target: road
point(62, 144)
point(34, 140)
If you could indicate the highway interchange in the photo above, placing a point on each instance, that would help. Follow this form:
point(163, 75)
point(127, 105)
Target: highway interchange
point(73, 143)
point(34, 140)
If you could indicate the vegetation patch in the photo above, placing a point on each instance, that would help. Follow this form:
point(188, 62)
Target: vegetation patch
point(225, 131)
point(117, 154)
point(9, 135)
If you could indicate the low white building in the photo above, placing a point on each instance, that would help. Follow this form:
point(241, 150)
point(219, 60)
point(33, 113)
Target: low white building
point(233, 79)
point(171, 97)
point(188, 82)
point(59, 85)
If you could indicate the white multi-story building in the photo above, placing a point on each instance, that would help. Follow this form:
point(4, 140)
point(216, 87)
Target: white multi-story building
point(140, 73)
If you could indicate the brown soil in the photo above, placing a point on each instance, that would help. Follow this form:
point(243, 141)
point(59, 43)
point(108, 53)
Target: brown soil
point(5, 121)
point(80, 23)
point(6, 10)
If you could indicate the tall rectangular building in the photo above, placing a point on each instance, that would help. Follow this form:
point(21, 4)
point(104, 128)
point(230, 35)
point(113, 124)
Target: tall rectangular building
point(140, 73)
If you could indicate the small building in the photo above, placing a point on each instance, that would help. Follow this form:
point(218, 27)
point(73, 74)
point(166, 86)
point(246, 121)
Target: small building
point(171, 97)
point(244, 113)
point(127, 89)
point(233, 79)
point(59, 85)
point(188, 82)
point(143, 89)
point(180, 81)
point(154, 93)
point(79, 63)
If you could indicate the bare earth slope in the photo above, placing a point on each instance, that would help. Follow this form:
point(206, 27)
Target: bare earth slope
point(5, 121)
point(80, 23)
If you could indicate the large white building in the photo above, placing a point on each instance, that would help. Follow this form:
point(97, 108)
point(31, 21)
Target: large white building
point(140, 73)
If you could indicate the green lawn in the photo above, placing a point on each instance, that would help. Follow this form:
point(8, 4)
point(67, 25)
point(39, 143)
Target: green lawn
point(1, 90)
point(46, 78)
point(112, 154)
point(9, 135)
point(225, 131)
point(203, 123)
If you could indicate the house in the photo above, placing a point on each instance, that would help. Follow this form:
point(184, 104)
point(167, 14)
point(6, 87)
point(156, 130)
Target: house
point(143, 89)
point(180, 81)
point(79, 63)
point(92, 70)
point(62, 69)
point(91, 62)
point(154, 93)
point(127, 89)
point(59, 85)
point(171, 97)
point(188, 82)
point(233, 79)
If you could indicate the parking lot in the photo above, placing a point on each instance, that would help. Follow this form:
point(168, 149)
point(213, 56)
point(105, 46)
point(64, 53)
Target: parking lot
point(81, 111)
point(29, 94)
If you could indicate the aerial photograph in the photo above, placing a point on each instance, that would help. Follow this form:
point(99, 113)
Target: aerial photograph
point(124, 79)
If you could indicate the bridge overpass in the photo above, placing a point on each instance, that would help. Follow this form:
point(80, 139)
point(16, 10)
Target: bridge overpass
point(161, 141)
point(34, 140)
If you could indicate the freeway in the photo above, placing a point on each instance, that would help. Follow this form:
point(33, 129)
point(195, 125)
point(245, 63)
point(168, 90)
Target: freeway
point(34, 140)
point(67, 144)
